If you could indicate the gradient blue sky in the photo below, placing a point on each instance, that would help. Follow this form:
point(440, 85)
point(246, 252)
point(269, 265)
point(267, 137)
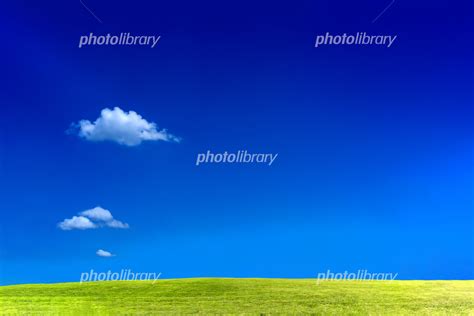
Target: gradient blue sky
point(375, 166)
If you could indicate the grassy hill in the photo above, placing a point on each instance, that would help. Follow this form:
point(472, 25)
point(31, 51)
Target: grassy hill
point(241, 296)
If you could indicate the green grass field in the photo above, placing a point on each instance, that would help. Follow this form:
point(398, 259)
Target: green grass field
point(241, 296)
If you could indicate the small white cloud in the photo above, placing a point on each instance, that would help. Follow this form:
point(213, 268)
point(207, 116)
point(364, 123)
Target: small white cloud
point(104, 253)
point(93, 218)
point(125, 128)
point(98, 214)
point(116, 224)
point(76, 222)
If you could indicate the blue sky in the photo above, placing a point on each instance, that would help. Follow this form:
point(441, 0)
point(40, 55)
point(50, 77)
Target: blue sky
point(375, 144)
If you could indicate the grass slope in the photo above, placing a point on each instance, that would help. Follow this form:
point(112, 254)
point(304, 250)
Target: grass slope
point(241, 296)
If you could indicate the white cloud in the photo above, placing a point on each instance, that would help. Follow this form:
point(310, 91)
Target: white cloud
point(104, 253)
point(117, 224)
point(76, 222)
point(98, 213)
point(125, 128)
point(93, 218)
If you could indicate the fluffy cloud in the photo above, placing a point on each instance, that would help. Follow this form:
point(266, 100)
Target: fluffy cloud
point(98, 214)
point(116, 224)
point(125, 128)
point(76, 222)
point(93, 218)
point(103, 253)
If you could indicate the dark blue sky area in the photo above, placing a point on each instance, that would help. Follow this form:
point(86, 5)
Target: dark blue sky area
point(375, 165)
